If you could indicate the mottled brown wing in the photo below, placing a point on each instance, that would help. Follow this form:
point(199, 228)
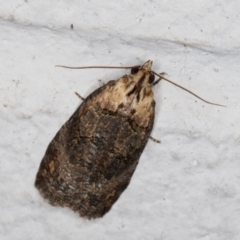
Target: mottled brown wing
point(92, 158)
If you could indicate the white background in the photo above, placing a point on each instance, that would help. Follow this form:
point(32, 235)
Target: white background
point(187, 187)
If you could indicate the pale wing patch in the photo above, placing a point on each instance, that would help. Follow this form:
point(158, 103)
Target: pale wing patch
point(144, 109)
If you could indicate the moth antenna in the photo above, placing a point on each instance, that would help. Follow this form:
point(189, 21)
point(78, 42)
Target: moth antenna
point(185, 89)
point(127, 67)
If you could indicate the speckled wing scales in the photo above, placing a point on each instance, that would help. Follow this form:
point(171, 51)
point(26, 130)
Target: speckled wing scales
point(92, 158)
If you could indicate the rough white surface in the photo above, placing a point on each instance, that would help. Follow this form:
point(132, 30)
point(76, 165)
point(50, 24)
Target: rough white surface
point(188, 187)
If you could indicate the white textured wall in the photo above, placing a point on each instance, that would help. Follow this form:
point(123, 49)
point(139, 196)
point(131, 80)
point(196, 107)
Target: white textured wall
point(188, 187)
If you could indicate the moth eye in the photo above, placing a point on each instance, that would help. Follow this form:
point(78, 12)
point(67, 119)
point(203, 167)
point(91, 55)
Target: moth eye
point(151, 78)
point(134, 70)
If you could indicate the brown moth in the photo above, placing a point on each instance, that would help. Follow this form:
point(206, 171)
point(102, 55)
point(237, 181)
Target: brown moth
point(92, 158)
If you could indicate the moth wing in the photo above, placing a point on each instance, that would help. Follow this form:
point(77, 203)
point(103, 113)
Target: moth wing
point(92, 158)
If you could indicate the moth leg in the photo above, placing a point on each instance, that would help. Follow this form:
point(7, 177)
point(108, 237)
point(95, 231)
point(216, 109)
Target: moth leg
point(79, 96)
point(101, 82)
point(155, 140)
point(158, 80)
point(163, 74)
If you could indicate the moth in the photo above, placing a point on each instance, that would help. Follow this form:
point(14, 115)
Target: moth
point(92, 158)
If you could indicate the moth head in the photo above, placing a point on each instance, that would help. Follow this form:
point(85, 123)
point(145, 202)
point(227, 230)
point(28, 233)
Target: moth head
point(142, 74)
